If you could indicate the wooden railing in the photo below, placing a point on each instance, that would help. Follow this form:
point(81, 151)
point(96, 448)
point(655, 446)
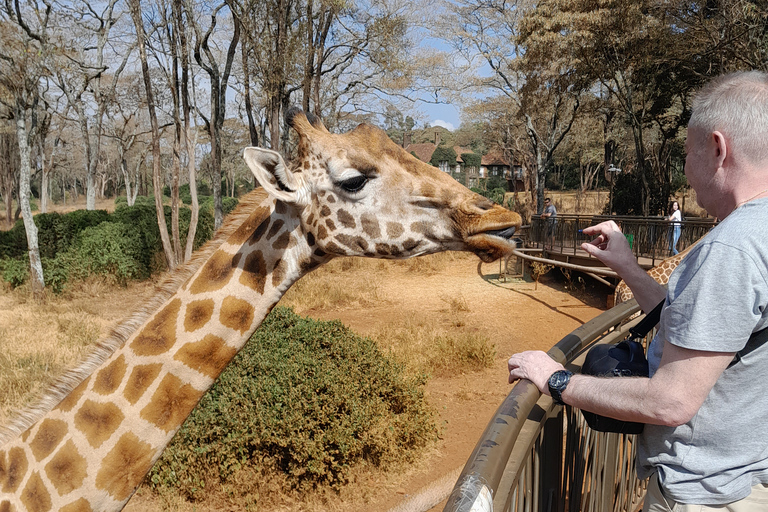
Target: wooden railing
point(538, 456)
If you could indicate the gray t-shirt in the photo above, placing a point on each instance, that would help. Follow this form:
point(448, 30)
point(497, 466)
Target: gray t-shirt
point(717, 297)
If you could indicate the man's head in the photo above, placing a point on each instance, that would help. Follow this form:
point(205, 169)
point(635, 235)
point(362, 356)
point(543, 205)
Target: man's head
point(736, 105)
point(547, 201)
point(726, 148)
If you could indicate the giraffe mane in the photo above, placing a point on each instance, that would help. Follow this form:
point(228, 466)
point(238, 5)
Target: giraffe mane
point(104, 348)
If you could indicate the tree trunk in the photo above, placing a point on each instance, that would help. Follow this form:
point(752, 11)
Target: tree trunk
point(135, 7)
point(36, 279)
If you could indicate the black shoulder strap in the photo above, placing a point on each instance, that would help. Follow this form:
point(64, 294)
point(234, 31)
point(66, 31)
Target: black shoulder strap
point(647, 323)
point(754, 342)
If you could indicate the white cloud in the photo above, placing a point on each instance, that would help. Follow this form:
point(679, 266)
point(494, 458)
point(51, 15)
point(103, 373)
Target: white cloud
point(445, 124)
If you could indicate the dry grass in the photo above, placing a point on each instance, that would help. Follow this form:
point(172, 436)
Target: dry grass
point(39, 340)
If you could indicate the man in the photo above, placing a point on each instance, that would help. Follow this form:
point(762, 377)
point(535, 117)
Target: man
point(550, 214)
point(705, 443)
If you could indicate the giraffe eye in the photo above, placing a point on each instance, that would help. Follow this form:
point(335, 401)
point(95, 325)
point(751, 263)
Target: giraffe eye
point(355, 184)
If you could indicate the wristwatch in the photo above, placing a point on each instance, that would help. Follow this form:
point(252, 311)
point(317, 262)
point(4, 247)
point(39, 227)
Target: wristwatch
point(557, 383)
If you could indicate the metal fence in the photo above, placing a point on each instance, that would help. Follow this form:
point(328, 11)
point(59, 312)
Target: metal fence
point(650, 237)
point(537, 456)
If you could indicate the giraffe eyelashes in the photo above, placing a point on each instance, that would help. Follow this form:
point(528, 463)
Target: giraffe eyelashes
point(355, 184)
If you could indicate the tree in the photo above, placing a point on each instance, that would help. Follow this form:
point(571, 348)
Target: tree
point(24, 59)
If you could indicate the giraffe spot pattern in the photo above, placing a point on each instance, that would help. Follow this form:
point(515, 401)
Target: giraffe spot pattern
point(13, 467)
point(331, 198)
point(322, 233)
point(5, 506)
point(48, 437)
point(109, 379)
point(279, 272)
point(254, 272)
point(356, 243)
point(282, 242)
point(395, 229)
point(275, 229)
point(388, 250)
point(215, 274)
point(370, 226)
point(208, 356)
point(310, 239)
point(256, 236)
point(141, 378)
point(347, 220)
point(73, 398)
point(171, 404)
point(331, 225)
point(159, 335)
point(410, 244)
point(67, 469)
point(199, 313)
point(244, 232)
point(325, 211)
point(236, 314)
point(421, 228)
point(98, 421)
point(124, 467)
point(35, 496)
point(80, 505)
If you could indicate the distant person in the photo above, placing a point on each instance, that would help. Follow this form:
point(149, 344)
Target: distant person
point(675, 217)
point(550, 215)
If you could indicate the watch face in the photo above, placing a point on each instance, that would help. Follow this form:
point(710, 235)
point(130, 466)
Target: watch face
point(558, 379)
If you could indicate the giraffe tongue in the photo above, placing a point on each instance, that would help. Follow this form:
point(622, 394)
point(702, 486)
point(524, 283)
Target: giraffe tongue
point(505, 233)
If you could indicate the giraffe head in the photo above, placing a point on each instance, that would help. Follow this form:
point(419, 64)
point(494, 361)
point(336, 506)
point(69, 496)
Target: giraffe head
point(360, 194)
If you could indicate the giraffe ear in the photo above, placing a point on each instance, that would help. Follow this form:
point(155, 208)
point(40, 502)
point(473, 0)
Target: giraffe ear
point(272, 173)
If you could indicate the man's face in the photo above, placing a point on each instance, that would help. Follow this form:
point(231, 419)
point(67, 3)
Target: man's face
point(546, 202)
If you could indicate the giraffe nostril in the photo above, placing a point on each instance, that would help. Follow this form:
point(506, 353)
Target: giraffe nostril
point(484, 203)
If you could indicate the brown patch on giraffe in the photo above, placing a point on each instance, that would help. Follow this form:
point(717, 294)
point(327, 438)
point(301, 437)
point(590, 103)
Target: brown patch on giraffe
point(319, 253)
point(198, 314)
point(421, 228)
point(334, 248)
point(331, 198)
point(5, 506)
point(356, 243)
point(310, 239)
point(311, 219)
point(370, 225)
point(215, 274)
point(308, 264)
point(124, 467)
point(236, 314)
point(256, 236)
point(35, 496)
point(282, 242)
point(275, 228)
point(281, 208)
point(331, 225)
point(67, 469)
point(73, 398)
point(427, 190)
point(171, 404)
point(80, 505)
point(13, 467)
point(395, 229)
point(347, 220)
point(141, 378)
point(159, 335)
point(279, 272)
point(98, 421)
point(208, 356)
point(322, 233)
point(410, 244)
point(388, 250)
point(254, 273)
point(325, 211)
point(247, 228)
point(48, 437)
point(109, 379)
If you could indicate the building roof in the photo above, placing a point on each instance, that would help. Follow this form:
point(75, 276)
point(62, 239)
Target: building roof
point(422, 151)
point(460, 151)
point(494, 159)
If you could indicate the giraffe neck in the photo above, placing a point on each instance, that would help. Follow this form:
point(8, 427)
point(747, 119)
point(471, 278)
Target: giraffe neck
point(92, 450)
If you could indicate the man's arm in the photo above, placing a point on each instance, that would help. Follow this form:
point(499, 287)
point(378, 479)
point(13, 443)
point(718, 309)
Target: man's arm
point(671, 397)
point(611, 247)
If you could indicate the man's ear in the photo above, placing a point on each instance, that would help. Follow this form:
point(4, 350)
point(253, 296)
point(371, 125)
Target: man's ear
point(271, 172)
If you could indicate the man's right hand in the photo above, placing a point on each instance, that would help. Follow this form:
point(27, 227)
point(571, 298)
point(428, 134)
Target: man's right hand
point(610, 246)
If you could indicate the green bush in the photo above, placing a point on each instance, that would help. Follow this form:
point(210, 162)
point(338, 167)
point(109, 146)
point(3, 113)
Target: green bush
point(15, 270)
point(307, 398)
point(111, 249)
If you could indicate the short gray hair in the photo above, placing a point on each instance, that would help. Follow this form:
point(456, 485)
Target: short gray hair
point(737, 105)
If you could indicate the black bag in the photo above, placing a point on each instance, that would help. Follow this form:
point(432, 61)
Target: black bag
point(625, 359)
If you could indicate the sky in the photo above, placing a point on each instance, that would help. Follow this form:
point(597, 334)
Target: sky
point(447, 116)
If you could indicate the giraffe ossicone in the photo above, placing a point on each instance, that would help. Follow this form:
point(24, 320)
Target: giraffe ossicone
point(93, 438)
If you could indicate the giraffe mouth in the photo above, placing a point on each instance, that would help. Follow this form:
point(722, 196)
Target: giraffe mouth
point(505, 233)
point(493, 244)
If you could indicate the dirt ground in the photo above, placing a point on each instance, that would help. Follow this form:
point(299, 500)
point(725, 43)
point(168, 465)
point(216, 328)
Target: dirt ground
point(514, 315)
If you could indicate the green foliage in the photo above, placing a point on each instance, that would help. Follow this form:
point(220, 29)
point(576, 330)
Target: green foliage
point(57, 232)
point(471, 160)
point(443, 154)
point(306, 398)
point(13, 243)
point(110, 249)
point(15, 271)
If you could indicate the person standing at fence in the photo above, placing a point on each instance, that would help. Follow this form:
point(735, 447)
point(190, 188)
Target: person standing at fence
point(675, 218)
point(550, 216)
point(705, 404)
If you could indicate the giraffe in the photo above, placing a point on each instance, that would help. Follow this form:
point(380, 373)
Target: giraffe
point(660, 273)
point(88, 446)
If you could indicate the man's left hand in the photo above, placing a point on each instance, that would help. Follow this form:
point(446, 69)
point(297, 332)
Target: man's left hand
point(533, 365)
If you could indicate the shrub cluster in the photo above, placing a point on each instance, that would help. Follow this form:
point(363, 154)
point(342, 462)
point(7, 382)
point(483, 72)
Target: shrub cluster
point(306, 398)
point(123, 245)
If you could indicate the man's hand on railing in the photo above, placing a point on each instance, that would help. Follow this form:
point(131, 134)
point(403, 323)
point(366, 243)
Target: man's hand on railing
point(534, 365)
